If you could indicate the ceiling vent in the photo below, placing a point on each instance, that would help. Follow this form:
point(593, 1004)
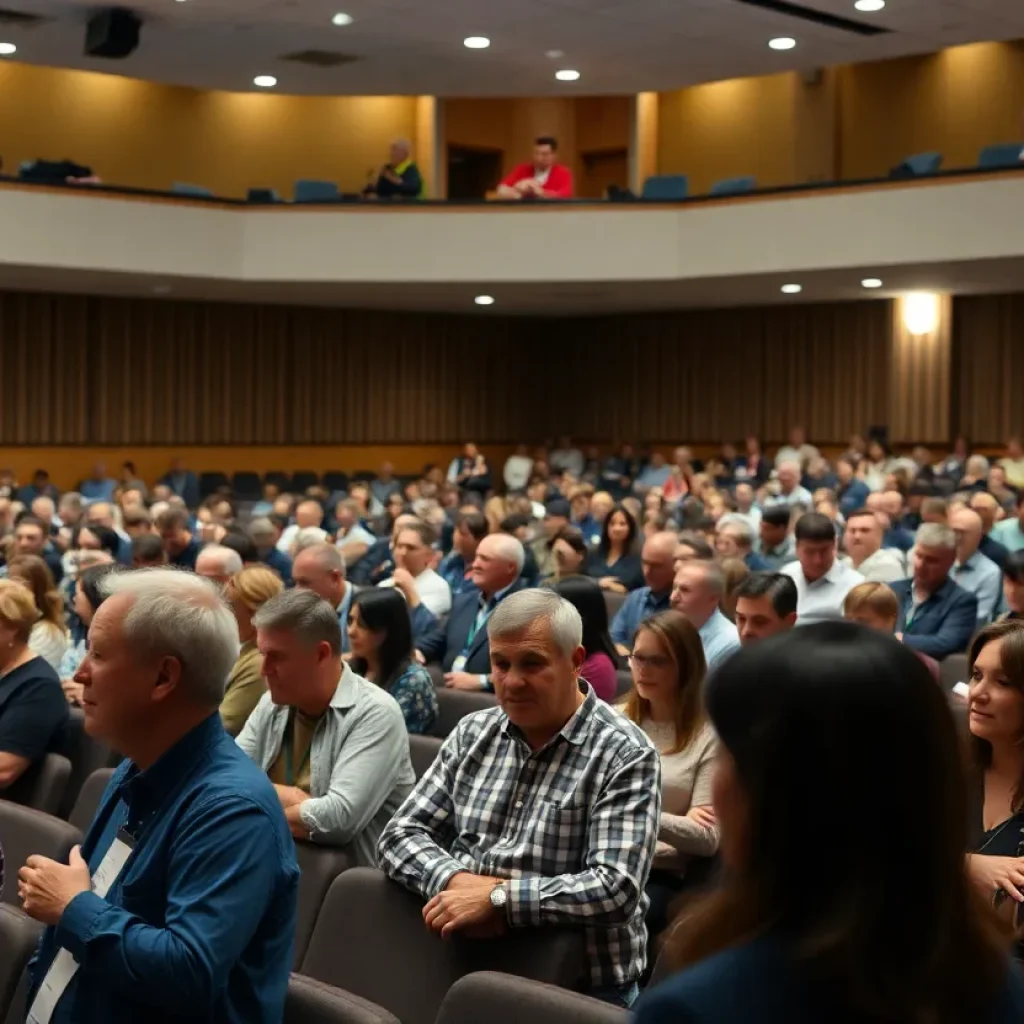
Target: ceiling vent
point(321, 58)
point(9, 17)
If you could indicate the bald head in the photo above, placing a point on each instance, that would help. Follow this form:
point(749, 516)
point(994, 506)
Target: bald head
point(497, 564)
point(308, 513)
point(967, 526)
point(892, 504)
point(321, 569)
point(982, 502)
point(659, 561)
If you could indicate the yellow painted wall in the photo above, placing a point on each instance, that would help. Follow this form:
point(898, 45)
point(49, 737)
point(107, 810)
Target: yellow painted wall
point(147, 135)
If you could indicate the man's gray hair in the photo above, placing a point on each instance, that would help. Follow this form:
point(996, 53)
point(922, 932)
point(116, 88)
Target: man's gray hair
point(977, 465)
point(178, 614)
point(714, 577)
point(228, 560)
point(935, 535)
point(511, 549)
point(261, 526)
point(303, 613)
point(327, 557)
point(519, 611)
point(740, 525)
point(307, 537)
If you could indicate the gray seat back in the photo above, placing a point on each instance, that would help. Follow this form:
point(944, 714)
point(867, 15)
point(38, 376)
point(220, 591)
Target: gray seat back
point(42, 786)
point(454, 705)
point(422, 751)
point(88, 800)
point(312, 1002)
point(19, 935)
point(319, 866)
point(24, 832)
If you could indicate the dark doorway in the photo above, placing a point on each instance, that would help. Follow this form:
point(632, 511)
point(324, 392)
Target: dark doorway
point(472, 173)
point(600, 169)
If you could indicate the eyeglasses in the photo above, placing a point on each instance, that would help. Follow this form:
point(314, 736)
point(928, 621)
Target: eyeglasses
point(649, 660)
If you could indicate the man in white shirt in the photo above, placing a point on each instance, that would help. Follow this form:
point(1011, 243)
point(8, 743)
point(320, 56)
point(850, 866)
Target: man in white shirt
point(308, 515)
point(518, 468)
point(790, 491)
point(413, 576)
point(863, 543)
point(822, 583)
point(798, 450)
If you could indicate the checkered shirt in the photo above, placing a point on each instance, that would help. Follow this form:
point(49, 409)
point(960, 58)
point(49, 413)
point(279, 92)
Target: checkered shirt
point(573, 826)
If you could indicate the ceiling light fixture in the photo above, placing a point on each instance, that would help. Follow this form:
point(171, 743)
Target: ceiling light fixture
point(476, 42)
point(6, 49)
point(484, 300)
point(921, 312)
point(782, 43)
point(568, 75)
point(871, 282)
point(341, 19)
point(265, 81)
point(792, 289)
point(869, 6)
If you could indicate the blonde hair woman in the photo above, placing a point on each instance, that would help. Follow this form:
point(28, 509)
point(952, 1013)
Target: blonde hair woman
point(246, 592)
point(49, 636)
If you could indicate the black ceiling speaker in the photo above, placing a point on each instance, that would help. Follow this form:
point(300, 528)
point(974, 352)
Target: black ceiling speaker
point(112, 32)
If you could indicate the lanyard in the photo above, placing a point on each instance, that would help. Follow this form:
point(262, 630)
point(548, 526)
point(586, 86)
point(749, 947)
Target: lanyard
point(287, 743)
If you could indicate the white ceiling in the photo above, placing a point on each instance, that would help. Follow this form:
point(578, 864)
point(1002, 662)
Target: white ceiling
point(415, 46)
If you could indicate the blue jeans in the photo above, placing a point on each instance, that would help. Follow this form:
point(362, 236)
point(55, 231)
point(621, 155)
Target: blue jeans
point(624, 995)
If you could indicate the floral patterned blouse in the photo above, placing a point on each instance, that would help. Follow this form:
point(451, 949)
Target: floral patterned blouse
point(414, 691)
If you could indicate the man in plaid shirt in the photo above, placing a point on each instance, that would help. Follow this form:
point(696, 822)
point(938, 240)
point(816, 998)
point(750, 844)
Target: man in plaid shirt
point(543, 811)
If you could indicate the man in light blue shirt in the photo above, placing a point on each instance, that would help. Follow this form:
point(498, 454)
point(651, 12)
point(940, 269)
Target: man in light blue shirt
point(654, 474)
point(697, 592)
point(1010, 531)
point(658, 558)
point(972, 571)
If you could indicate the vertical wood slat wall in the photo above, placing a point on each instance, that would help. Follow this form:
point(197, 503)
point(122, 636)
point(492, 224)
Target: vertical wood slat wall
point(109, 371)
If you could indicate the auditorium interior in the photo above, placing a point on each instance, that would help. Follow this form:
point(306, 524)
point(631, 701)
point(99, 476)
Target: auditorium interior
point(694, 326)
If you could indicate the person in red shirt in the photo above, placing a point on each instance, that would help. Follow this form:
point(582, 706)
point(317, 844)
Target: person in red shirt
point(544, 178)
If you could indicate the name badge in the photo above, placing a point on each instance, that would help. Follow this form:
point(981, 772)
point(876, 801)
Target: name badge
point(459, 664)
point(65, 966)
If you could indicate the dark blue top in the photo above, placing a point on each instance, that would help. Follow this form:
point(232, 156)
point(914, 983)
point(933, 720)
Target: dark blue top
point(33, 711)
point(627, 569)
point(186, 558)
point(639, 605)
point(453, 571)
point(941, 625)
point(853, 496)
point(199, 926)
point(755, 563)
point(995, 551)
point(280, 563)
point(897, 537)
point(756, 984)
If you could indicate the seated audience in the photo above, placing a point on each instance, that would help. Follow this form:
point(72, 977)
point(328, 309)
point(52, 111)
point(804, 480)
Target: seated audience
point(352, 538)
point(381, 641)
point(734, 572)
point(876, 606)
point(246, 592)
point(33, 711)
point(542, 178)
point(692, 547)
point(570, 551)
point(238, 541)
point(780, 942)
point(790, 491)
point(393, 508)
point(936, 616)
point(988, 511)
point(183, 482)
point(666, 701)
point(654, 476)
point(97, 486)
point(470, 529)
point(766, 604)
point(399, 178)
point(334, 744)
point(470, 471)
point(734, 538)
point(41, 487)
point(556, 518)
point(32, 538)
point(517, 469)
point(697, 593)
point(851, 492)
point(518, 526)
point(1010, 531)
point(822, 582)
point(995, 703)
point(618, 471)
point(798, 450)
point(658, 566)
point(265, 536)
point(413, 576)
point(320, 568)
point(972, 571)
point(615, 562)
point(137, 521)
point(599, 667)
point(202, 913)
point(148, 551)
point(1013, 586)
point(87, 597)
point(579, 852)
point(218, 564)
point(49, 636)
point(461, 645)
point(778, 546)
point(309, 515)
point(181, 547)
point(580, 518)
point(975, 476)
point(862, 540)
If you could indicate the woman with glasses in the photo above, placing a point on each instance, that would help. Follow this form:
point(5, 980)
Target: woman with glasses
point(666, 701)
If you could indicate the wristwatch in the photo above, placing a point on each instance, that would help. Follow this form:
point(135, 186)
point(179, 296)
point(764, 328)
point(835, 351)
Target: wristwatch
point(499, 896)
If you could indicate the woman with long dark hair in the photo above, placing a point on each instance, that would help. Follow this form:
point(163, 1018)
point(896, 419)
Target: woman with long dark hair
point(599, 667)
point(615, 562)
point(380, 638)
point(842, 806)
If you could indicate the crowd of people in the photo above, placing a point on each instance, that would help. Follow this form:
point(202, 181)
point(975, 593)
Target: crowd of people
point(261, 669)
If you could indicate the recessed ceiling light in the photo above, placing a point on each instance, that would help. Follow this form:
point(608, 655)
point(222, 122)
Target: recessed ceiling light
point(265, 81)
point(792, 289)
point(341, 18)
point(871, 282)
point(554, 54)
point(869, 6)
point(782, 43)
point(476, 42)
point(6, 49)
point(484, 300)
point(568, 75)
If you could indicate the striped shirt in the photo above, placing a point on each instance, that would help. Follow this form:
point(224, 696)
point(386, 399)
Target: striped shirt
point(573, 826)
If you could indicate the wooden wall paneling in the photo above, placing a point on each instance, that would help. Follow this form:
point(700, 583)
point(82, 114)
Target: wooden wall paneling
point(920, 379)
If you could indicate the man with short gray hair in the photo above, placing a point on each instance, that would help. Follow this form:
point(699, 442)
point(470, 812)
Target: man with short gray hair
point(218, 563)
point(540, 812)
point(697, 593)
point(183, 893)
point(936, 616)
point(334, 744)
point(734, 538)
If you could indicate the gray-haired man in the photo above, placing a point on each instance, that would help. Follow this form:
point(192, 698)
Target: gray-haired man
point(542, 811)
point(334, 744)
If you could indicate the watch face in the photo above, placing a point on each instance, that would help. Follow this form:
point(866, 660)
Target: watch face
point(498, 896)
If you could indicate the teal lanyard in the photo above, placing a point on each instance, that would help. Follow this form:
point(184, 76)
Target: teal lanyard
point(481, 617)
point(288, 743)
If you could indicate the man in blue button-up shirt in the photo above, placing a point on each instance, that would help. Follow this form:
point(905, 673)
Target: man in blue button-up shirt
point(658, 559)
point(972, 571)
point(197, 925)
point(697, 592)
